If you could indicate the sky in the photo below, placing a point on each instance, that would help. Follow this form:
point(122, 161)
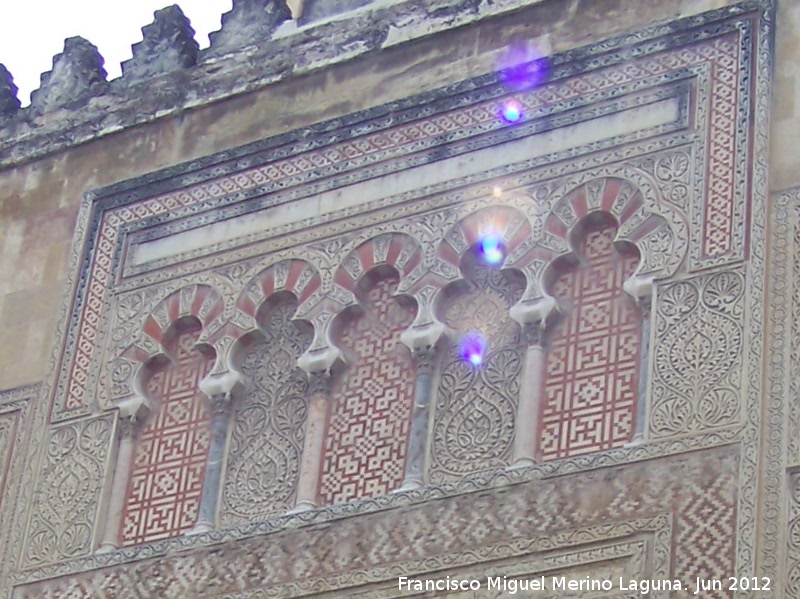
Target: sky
point(33, 31)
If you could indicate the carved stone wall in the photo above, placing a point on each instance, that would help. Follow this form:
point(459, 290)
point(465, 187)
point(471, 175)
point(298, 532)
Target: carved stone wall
point(698, 354)
point(65, 505)
point(17, 441)
point(8, 431)
point(672, 505)
point(344, 251)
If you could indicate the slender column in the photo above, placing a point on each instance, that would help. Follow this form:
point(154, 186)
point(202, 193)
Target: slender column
point(319, 390)
point(418, 435)
point(639, 432)
point(128, 426)
point(531, 388)
point(220, 418)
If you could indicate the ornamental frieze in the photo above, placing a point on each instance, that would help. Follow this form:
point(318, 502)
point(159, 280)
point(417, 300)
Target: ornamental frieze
point(298, 367)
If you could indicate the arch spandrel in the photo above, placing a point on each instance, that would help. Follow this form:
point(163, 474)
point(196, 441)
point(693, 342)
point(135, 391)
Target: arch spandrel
point(200, 301)
point(657, 230)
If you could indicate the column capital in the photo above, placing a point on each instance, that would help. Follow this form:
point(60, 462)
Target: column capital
point(320, 382)
point(423, 357)
point(322, 360)
point(422, 337)
point(132, 414)
point(539, 310)
point(534, 332)
point(220, 404)
point(221, 384)
point(640, 289)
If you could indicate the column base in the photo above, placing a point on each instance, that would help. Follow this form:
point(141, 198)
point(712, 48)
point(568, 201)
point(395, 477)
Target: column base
point(521, 464)
point(106, 548)
point(638, 439)
point(302, 506)
point(200, 528)
point(410, 484)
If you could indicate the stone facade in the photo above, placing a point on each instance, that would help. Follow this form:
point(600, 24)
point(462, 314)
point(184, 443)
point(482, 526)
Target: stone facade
point(251, 346)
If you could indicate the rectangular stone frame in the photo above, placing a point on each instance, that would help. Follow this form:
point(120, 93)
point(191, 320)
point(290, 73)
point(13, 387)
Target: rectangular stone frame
point(165, 192)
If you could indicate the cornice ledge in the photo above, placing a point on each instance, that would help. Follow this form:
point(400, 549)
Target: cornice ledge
point(294, 50)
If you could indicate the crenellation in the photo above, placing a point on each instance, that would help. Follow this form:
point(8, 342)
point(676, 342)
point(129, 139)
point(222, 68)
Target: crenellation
point(357, 296)
point(216, 75)
point(9, 103)
point(77, 75)
point(168, 45)
point(248, 23)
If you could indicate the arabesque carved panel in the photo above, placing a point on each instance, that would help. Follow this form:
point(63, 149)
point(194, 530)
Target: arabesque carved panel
point(8, 431)
point(473, 427)
point(269, 423)
point(697, 379)
point(65, 503)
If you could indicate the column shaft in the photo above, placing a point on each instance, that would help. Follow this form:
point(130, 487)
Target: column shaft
point(530, 397)
point(418, 434)
point(207, 513)
point(314, 442)
point(119, 484)
point(639, 433)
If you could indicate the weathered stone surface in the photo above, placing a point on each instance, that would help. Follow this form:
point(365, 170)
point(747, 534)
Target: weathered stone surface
point(311, 48)
point(9, 103)
point(249, 22)
point(77, 75)
point(316, 10)
point(367, 64)
point(168, 45)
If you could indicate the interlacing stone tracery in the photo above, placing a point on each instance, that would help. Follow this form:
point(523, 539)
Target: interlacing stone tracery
point(473, 427)
point(269, 421)
point(169, 463)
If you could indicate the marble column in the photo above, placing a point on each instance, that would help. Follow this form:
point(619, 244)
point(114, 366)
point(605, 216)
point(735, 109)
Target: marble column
point(418, 434)
point(531, 388)
point(319, 390)
point(220, 404)
point(640, 432)
point(129, 423)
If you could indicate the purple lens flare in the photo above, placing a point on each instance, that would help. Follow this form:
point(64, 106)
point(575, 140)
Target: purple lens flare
point(491, 249)
point(472, 348)
point(523, 67)
point(511, 111)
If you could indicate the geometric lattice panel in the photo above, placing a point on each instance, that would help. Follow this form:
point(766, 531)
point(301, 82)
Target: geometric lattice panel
point(171, 452)
point(367, 438)
point(593, 356)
